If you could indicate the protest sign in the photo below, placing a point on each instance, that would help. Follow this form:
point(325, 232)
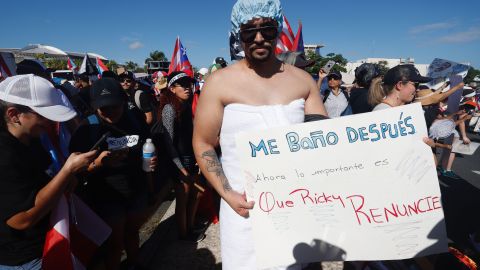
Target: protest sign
point(440, 70)
point(361, 187)
point(454, 99)
point(465, 149)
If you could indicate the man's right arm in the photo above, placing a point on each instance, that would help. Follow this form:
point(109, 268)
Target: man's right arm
point(208, 121)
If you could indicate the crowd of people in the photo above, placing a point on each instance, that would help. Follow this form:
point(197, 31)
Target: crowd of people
point(57, 138)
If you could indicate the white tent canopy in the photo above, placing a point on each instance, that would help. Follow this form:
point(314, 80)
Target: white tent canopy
point(90, 55)
point(42, 49)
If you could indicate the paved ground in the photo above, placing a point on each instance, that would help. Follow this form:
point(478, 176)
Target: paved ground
point(161, 249)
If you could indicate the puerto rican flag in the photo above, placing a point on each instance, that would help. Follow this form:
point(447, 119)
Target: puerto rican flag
point(71, 65)
point(101, 66)
point(285, 39)
point(76, 234)
point(180, 60)
point(298, 43)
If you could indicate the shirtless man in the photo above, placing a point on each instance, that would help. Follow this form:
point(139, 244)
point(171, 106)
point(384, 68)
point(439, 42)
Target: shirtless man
point(259, 79)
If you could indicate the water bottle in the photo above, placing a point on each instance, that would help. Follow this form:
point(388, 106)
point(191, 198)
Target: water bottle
point(148, 154)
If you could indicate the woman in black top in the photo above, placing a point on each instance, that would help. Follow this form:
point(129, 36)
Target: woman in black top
point(28, 106)
point(116, 186)
point(175, 114)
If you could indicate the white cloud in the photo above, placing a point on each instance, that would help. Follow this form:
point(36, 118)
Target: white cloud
point(135, 45)
point(431, 27)
point(462, 37)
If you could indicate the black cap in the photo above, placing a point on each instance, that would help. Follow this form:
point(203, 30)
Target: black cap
point(33, 66)
point(126, 74)
point(334, 73)
point(468, 93)
point(297, 59)
point(221, 61)
point(365, 73)
point(404, 73)
point(179, 77)
point(109, 74)
point(106, 92)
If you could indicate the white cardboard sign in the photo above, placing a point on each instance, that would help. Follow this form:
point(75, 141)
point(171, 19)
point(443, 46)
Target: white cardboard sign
point(361, 187)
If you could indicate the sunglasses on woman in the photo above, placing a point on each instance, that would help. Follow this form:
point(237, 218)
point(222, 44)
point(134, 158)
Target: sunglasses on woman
point(268, 33)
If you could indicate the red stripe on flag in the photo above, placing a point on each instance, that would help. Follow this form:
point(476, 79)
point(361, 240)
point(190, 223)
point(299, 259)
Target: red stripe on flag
point(56, 252)
point(82, 247)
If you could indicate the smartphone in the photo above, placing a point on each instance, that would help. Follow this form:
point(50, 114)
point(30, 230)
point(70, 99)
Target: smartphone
point(102, 139)
point(328, 66)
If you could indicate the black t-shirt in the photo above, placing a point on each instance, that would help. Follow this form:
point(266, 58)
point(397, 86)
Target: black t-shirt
point(359, 100)
point(124, 181)
point(23, 174)
point(431, 114)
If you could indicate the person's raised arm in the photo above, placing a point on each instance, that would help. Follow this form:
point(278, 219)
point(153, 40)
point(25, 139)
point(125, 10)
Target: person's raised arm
point(49, 195)
point(445, 95)
point(208, 121)
point(313, 103)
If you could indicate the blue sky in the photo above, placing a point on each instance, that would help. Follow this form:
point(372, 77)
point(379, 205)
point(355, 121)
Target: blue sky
point(129, 30)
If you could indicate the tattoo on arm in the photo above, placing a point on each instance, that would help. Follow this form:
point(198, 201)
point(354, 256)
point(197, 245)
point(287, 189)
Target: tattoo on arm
point(214, 165)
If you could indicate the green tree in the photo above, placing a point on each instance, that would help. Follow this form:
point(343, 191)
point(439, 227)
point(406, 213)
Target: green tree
point(130, 65)
point(156, 56)
point(78, 62)
point(320, 61)
point(383, 66)
point(472, 73)
point(139, 70)
point(57, 64)
point(112, 65)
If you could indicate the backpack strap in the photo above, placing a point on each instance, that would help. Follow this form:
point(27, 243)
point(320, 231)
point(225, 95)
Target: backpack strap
point(326, 94)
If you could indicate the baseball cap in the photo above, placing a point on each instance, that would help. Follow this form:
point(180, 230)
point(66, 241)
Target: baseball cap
point(179, 77)
point(33, 66)
point(365, 73)
point(468, 92)
point(127, 74)
point(38, 94)
point(221, 61)
point(106, 92)
point(203, 71)
point(404, 73)
point(109, 74)
point(297, 59)
point(335, 74)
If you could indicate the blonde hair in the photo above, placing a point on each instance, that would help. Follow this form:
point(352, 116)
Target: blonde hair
point(378, 91)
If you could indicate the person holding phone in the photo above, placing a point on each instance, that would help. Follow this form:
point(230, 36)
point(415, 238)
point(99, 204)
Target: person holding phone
point(335, 98)
point(116, 186)
point(28, 105)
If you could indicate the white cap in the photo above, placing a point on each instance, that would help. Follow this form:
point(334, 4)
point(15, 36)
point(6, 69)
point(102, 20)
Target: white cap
point(38, 94)
point(203, 71)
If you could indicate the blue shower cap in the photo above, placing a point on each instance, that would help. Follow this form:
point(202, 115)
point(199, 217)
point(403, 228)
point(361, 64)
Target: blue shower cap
point(245, 10)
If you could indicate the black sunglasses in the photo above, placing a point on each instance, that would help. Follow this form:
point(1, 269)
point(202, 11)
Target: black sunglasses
point(268, 33)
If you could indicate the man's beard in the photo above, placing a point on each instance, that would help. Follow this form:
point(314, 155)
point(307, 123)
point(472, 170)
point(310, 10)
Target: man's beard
point(258, 59)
